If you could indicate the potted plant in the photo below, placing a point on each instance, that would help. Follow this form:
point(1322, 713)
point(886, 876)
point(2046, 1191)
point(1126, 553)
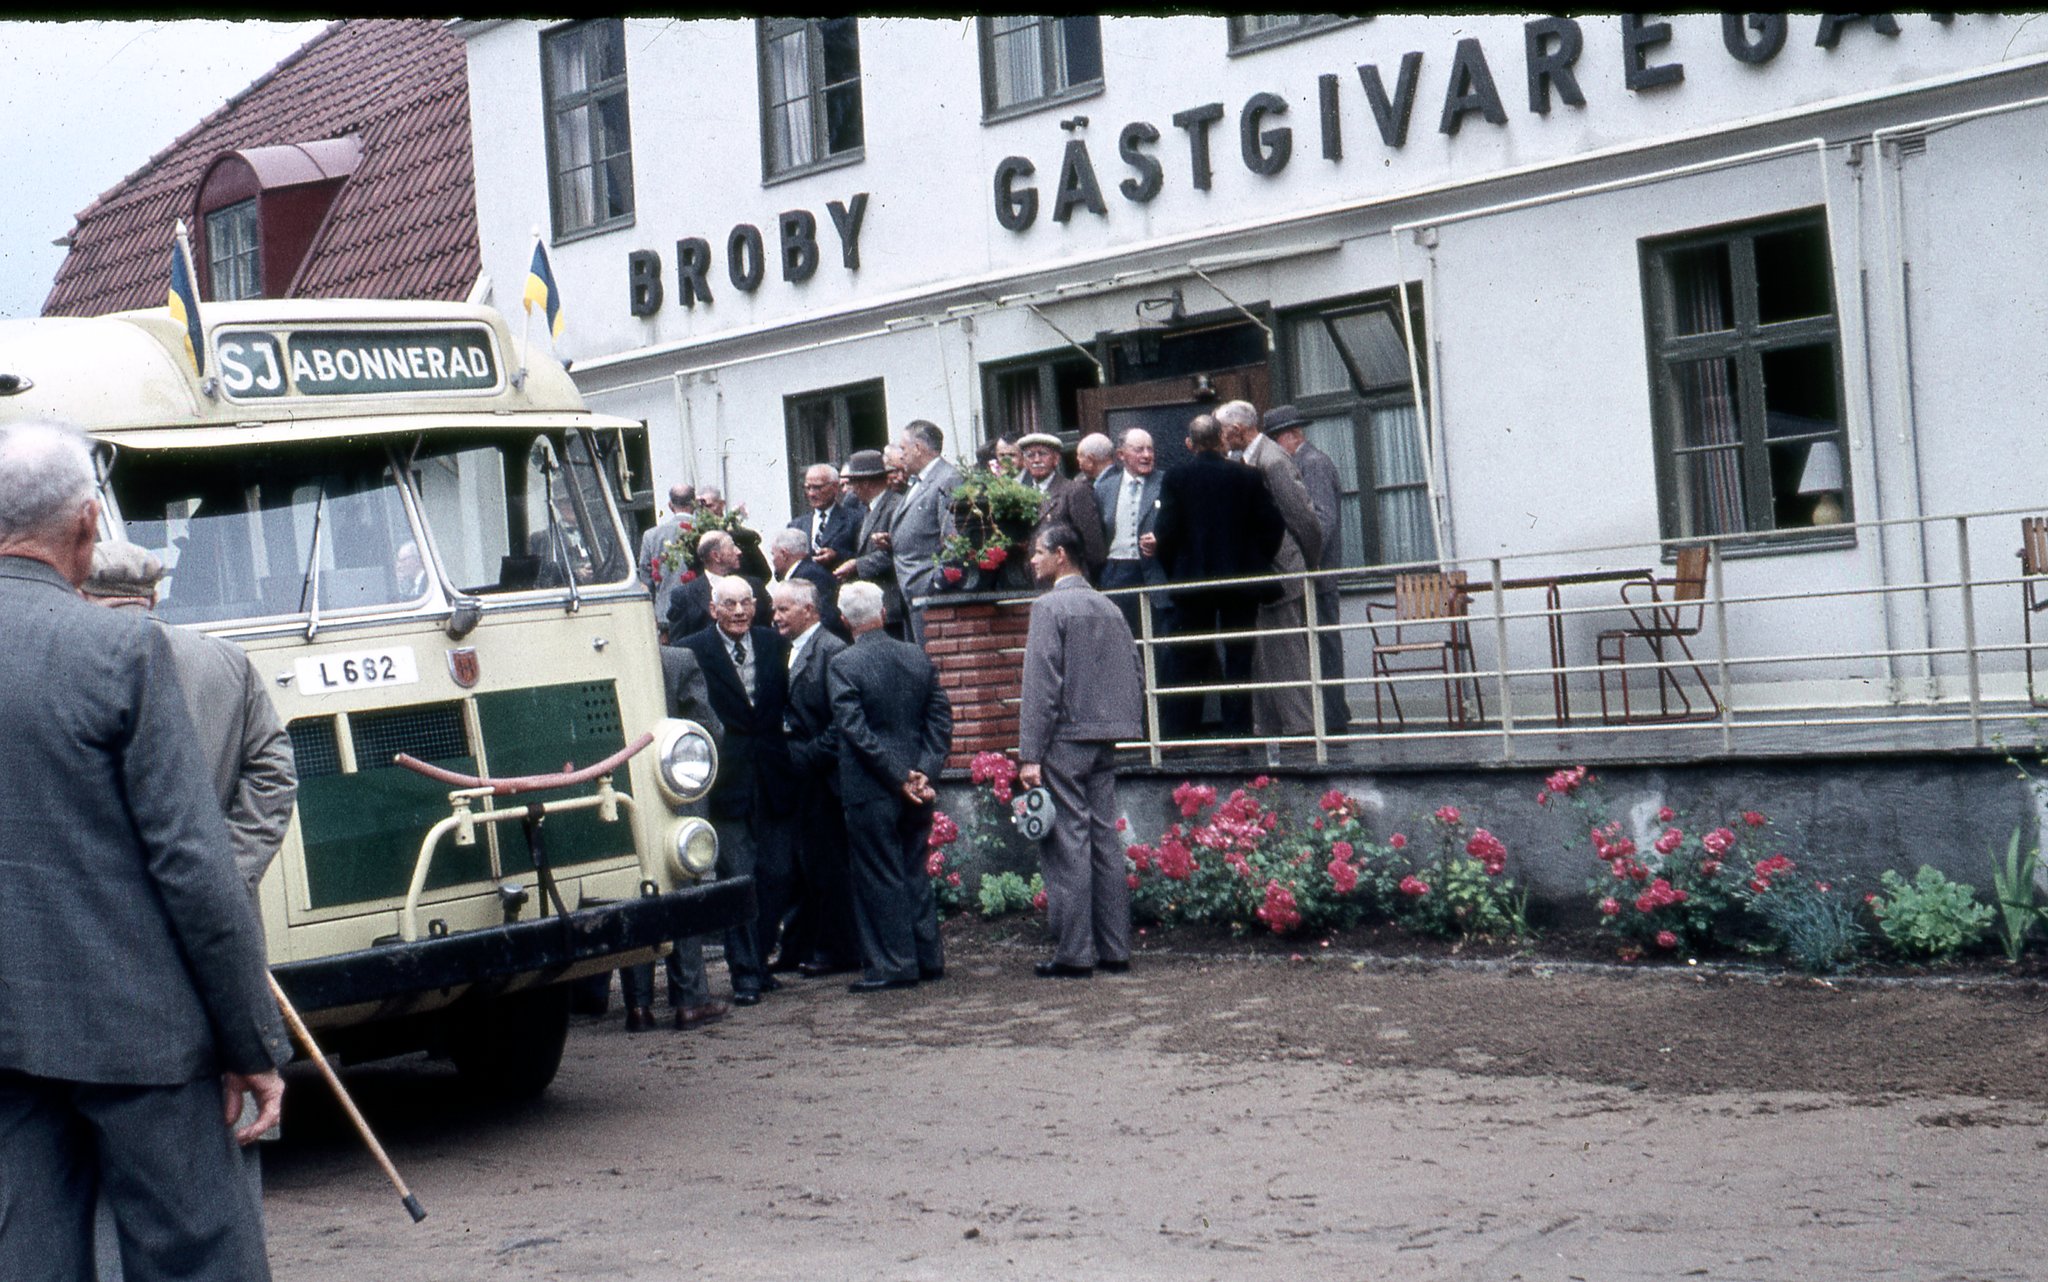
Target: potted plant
point(992, 519)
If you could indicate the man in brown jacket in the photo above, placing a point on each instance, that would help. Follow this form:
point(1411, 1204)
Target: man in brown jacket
point(1281, 652)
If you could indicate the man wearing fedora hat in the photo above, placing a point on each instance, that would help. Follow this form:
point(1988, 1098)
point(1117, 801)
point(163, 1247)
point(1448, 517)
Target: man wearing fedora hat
point(1288, 427)
point(867, 472)
point(1067, 502)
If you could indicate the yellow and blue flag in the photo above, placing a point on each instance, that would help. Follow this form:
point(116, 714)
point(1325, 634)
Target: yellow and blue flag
point(184, 300)
point(542, 290)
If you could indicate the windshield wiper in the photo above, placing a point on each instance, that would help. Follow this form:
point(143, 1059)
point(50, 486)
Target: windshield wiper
point(309, 591)
point(543, 457)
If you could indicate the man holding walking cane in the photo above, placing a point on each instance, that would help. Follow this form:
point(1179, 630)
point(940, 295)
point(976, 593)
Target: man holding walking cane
point(134, 1003)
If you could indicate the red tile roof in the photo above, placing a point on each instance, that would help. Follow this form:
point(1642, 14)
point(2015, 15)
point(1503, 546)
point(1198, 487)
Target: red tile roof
point(403, 226)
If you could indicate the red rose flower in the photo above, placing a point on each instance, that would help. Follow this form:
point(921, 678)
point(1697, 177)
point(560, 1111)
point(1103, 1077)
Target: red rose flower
point(954, 574)
point(1413, 885)
point(1610, 906)
point(1665, 939)
point(1754, 818)
point(1397, 841)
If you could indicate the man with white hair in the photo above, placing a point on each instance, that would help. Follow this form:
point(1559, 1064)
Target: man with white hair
point(925, 519)
point(1281, 651)
point(1127, 495)
point(895, 728)
point(789, 556)
point(746, 674)
point(134, 997)
point(832, 526)
point(819, 936)
point(1068, 502)
point(1092, 457)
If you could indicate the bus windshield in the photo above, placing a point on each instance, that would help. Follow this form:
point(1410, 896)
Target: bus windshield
point(242, 529)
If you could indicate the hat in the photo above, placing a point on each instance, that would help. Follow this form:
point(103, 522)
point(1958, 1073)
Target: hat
point(122, 569)
point(1283, 417)
point(1039, 438)
point(863, 464)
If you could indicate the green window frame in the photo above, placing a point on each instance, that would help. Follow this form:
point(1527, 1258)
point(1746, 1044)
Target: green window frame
point(589, 127)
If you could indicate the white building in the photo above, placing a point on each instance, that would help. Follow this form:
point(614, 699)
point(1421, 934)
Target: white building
point(1547, 285)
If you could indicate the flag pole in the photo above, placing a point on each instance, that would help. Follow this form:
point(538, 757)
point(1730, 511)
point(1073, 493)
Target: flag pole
point(526, 328)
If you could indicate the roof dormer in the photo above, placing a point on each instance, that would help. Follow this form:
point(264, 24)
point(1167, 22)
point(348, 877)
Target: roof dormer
point(261, 208)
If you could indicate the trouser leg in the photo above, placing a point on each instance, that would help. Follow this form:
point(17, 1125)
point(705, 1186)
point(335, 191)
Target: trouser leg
point(1235, 614)
point(687, 984)
point(1281, 654)
point(182, 1198)
point(775, 883)
point(1063, 856)
point(736, 856)
point(920, 899)
point(881, 915)
point(828, 888)
point(636, 985)
point(1330, 646)
point(1109, 878)
point(47, 1183)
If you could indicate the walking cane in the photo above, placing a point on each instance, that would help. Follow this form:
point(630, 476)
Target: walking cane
point(298, 1027)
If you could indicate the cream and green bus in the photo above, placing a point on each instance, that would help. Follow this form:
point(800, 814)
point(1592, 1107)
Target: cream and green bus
point(420, 540)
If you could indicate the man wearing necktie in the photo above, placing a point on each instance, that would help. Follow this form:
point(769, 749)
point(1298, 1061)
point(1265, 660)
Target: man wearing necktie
point(833, 524)
point(1128, 497)
point(746, 673)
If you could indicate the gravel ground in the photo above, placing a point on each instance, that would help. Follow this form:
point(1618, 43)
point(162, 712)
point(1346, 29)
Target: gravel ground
point(1221, 1117)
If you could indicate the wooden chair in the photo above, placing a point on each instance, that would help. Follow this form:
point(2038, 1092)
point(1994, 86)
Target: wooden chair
point(1664, 614)
point(2033, 590)
point(1434, 605)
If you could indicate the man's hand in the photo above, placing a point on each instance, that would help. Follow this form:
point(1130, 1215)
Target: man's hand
point(825, 556)
point(918, 788)
point(1030, 775)
point(884, 540)
point(268, 1088)
point(845, 570)
point(1148, 545)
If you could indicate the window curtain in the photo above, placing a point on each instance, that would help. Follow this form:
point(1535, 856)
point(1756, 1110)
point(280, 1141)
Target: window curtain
point(1015, 54)
point(1708, 403)
point(1402, 478)
point(790, 89)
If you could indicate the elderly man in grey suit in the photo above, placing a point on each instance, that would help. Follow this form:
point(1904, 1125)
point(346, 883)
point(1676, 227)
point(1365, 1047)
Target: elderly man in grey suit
point(1288, 427)
point(868, 471)
point(1082, 693)
point(895, 728)
point(925, 518)
point(1281, 651)
point(133, 1000)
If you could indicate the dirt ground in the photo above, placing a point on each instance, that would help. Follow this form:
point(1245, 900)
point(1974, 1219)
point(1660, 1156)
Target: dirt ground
point(1222, 1117)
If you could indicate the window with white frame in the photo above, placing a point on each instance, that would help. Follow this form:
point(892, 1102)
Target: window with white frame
point(1027, 63)
point(233, 268)
point(1745, 371)
point(1346, 367)
point(590, 137)
point(810, 94)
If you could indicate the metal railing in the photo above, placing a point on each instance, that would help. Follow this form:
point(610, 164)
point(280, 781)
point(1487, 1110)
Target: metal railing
point(1797, 643)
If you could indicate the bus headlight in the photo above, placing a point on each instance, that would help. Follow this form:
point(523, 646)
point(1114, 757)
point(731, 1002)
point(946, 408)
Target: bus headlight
point(685, 761)
point(692, 849)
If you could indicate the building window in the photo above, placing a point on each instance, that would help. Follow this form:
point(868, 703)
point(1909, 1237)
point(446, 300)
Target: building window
point(828, 426)
point(1038, 394)
point(232, 267)
point(810, 94)
point(1745, 378)
point(1256, 31)
point(590, 139)
point(1346, 368)
point(1028, 63)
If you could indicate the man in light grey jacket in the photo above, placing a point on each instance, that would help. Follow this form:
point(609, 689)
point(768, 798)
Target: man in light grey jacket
point(1281, 651)
point(925, 518)
point(1082, 693)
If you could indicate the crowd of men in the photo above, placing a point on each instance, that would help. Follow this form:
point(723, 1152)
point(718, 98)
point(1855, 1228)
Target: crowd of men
point(808, 657)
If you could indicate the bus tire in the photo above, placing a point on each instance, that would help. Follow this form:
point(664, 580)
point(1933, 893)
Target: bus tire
point(509, 1048)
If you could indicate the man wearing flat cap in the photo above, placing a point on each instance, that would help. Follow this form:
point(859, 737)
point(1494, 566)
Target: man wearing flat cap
point(1067, 502)
point(1288, 427)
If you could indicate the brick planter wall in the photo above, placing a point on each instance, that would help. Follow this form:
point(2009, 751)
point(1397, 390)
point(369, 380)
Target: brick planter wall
point(978, 647)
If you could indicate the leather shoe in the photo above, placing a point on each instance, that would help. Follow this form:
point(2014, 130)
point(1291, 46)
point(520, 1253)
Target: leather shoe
point(930, 973)
point(639, 1019)
point(816, 969)
point(748, 998)
point(1060, 970)
point(879, 985)
point(1114, 967)
point(770, 984)
point(688, 1017)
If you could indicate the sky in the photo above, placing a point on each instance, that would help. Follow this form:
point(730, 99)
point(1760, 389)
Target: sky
point(84, 104)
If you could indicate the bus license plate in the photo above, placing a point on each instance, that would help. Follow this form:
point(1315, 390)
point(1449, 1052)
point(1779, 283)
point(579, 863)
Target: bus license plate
point(360, 670)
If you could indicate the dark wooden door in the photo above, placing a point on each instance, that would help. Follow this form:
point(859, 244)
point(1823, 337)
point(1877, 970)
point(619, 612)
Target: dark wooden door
point(1164, 406)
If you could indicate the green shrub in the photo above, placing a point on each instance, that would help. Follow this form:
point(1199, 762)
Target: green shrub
point(1008, 892)
point(2014, 883)
point(1814, 924)
point(1930, 916)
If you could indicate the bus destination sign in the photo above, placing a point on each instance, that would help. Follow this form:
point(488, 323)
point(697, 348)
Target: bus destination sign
point(256, 364)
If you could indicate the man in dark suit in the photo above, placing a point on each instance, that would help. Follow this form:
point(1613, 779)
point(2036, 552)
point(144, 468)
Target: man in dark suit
point(819, 939)
point(870, 474)
point(689, 608)
point(1216, 521)
point(895, 728)
point(1082, 693)
point(832, 527)
point(134, 994)
point(1127, 495)
point(1068, 502)
point(746, 672)
point(684, 695)
point(786, 554)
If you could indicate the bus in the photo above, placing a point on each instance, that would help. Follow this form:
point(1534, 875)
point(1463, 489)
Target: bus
point(420, 539)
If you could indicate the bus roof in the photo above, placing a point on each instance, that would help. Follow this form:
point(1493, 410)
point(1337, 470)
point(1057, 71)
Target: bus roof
point(280, 363)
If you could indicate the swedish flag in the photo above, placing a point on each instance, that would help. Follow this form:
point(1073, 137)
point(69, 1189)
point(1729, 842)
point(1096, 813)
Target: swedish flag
point(184, 300)
point(541, 289)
